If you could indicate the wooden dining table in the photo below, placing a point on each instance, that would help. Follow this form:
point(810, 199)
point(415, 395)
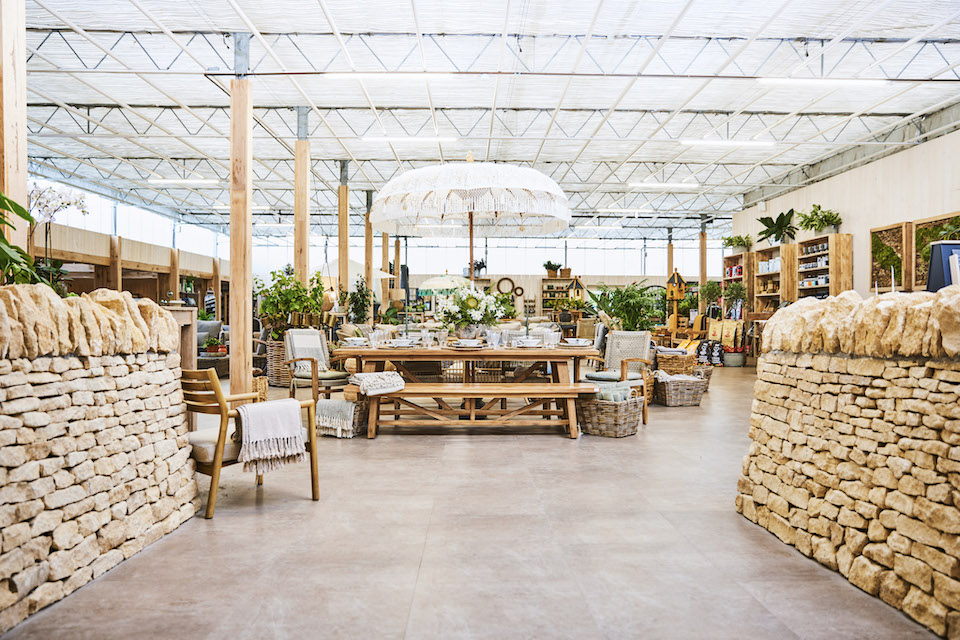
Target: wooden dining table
point(564, 362)
point(544, 403)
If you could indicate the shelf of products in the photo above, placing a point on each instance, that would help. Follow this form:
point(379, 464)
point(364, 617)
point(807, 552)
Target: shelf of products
point(775, 277)
point(825, 265)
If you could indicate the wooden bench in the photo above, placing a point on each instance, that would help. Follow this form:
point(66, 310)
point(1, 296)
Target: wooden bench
point(491, 411)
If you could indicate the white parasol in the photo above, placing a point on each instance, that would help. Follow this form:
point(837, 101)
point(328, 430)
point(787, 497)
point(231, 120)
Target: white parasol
point(495, 200)
point(445, 282)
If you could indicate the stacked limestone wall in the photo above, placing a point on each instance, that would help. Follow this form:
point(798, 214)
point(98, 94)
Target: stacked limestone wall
point(855, 459)
point(94, 458)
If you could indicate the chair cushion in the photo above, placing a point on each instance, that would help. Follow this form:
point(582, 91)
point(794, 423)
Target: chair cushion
point(204, 444)
point(323, 375)
point(611, 376)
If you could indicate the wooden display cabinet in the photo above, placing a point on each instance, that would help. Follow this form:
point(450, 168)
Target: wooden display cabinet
point(739, 268)
point(553, 289)
point(774, 284)
point(825, 265)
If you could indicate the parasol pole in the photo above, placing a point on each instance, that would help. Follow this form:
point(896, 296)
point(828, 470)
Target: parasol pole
point(470, 217)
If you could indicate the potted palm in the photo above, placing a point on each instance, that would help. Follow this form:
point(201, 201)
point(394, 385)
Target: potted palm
point(551, 268)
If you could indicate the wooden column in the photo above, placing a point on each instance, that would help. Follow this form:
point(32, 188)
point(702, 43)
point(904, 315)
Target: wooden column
point(343, 236)
point(301, 198)
point(385, 267)
point(241, 230)
point(13, 114)
point(368, 253)
point(301, 211)
point(115, 270)
point(173, 277)
point(669, 252)
point(217, 290)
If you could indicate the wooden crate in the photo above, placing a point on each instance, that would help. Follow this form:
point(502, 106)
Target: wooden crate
point(839, 266)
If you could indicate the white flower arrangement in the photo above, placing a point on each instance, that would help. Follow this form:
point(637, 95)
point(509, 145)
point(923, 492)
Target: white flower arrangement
point(466, 306)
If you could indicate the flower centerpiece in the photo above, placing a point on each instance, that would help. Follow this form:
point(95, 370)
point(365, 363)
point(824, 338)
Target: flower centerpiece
point(467, 308)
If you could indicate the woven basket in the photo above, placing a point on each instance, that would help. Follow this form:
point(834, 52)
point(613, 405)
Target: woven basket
point(261, 388)
point(679, 393)
point(359, 423)
point(676, 364)
point(704, 371)
point(278, 374)
point(608, 418)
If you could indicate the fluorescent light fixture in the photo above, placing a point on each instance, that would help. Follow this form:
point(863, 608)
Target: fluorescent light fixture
point(411, 139)
point(256, 207)
point(662, 186)
point(826, 82)
point(719, 142)
point(183, 181)
point(641, 210)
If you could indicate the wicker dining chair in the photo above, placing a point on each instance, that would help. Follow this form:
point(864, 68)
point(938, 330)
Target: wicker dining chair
point(627, 357)
point(214, 448)
point(309, 362)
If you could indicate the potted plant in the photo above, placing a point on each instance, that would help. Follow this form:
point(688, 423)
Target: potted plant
point(734, 292)
point(779, 230)
point(478, 267)
point(506, 303)
point(551, 268)
point(633, 307)
point(710, 292)
point(466, 309)
point(358, 302)
point(565, 272)
point(742, 243)
point(212, 345)
point(818, 219)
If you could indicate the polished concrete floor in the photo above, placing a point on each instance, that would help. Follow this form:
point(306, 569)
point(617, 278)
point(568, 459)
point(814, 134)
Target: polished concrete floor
point(486, 536)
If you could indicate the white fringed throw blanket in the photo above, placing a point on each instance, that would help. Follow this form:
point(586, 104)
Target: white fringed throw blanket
point(272, 435)
point(375, 384)
point(335, 417)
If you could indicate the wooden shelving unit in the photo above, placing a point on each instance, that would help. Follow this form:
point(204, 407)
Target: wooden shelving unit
point(772, 285)
point(825, 265)
point(552, 289)
point(739, 268)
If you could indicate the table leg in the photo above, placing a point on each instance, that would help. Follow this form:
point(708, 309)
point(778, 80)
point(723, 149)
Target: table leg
point(576, 369)
point(373, 417)
point(572, 417)
point(563, 370)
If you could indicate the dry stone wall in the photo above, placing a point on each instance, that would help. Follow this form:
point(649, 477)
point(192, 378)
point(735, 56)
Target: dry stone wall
point(855, 448)
point(94, 458)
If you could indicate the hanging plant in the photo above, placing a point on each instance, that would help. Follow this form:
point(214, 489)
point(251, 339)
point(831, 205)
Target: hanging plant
point(780, 229)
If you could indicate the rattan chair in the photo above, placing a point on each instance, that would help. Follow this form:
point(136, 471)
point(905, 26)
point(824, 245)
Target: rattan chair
point(309, 363)
point(627, 358)
point(213, 448)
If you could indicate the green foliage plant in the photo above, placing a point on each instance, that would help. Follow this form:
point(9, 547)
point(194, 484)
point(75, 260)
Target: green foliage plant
point(734, 291)
point(818, 219)
point(711, 291)
point(634, 306)
point(203, 314)
point(284, 295)
point(359, 302)
point(550, 265)
point(946, 230)
point(885, 257)
point(738, 241)
point(780, 229)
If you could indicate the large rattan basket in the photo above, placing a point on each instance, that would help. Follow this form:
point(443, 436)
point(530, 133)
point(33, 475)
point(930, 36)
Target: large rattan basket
point(278, 374)
point(704, 371)
point(609, 418)
point(676, 364)
point(679, 393)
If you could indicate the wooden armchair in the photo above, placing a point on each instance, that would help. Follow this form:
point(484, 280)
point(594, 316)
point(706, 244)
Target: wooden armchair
point(309, 346)
point(213, 448)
